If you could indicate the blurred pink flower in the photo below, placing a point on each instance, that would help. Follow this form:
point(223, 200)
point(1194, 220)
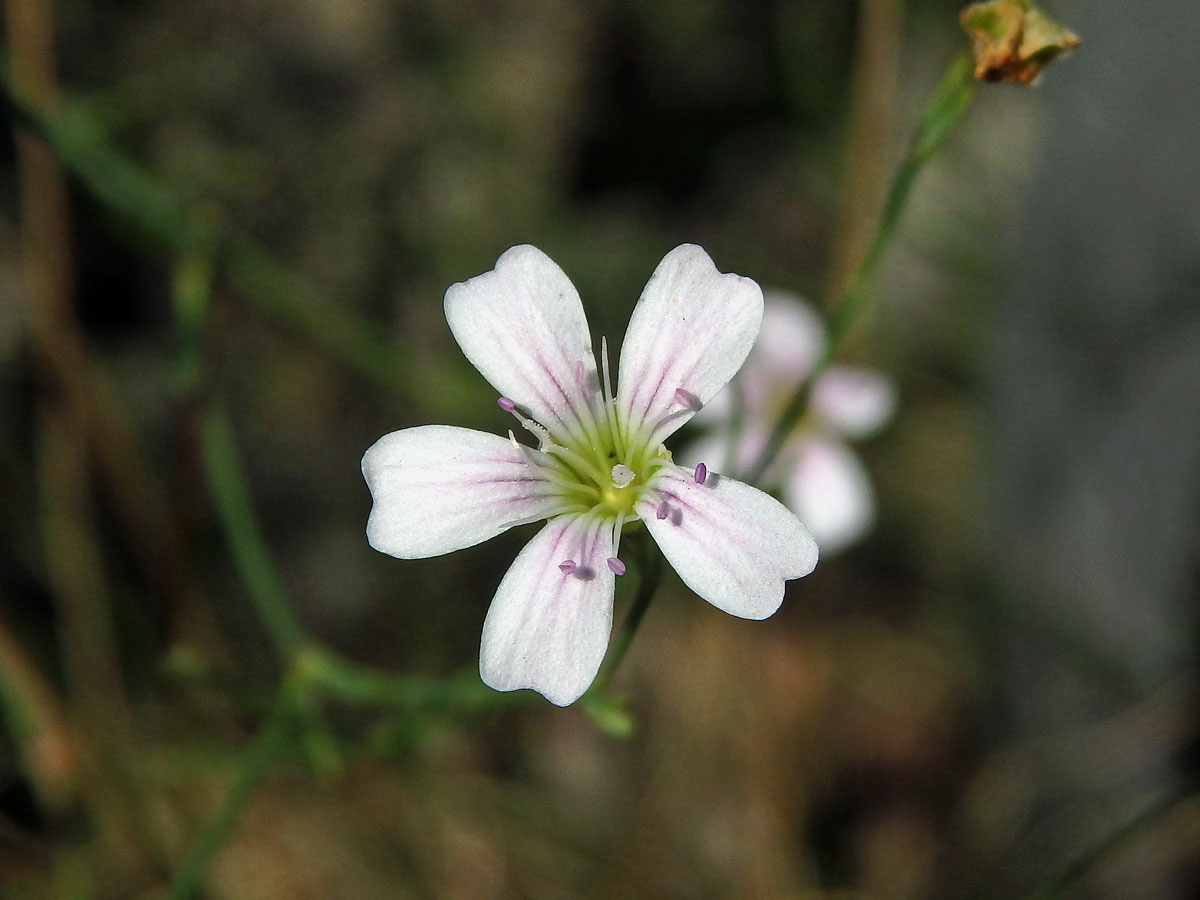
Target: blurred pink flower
point(819, 477)
point(600, 463)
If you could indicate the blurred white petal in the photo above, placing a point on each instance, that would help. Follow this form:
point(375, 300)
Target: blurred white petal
point(854, 402)
point(723, 451)
point(829, 490)
point(791, 339)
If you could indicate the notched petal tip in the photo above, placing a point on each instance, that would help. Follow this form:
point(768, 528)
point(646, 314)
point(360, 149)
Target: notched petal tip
point(438, 488)
point(522, 325)
point(732, 544)
point(690, 332)
point(547, 629)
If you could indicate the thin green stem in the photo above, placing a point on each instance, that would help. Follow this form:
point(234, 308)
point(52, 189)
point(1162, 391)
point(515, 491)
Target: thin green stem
point(1086, 863)
point(362, 686)
point(268, 745)
point(191, 305)
point(227, 483)
point(946, 106)
point(650, 577)
point(158, 213)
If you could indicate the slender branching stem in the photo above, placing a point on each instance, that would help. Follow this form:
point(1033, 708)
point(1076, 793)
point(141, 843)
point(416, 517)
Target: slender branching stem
point(950, 100)
point(649, 579)
point(269, 744)
point(227, 484)
point(1087, 862)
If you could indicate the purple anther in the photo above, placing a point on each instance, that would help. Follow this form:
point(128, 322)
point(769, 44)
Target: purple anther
point(663, 510)
point(701, 473)
point(505, 404)
point(686, 398)
point(567, 566)
point(616, 565)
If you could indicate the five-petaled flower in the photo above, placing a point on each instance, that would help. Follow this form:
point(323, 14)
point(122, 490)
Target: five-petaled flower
point(820, 478)
point(599, 465)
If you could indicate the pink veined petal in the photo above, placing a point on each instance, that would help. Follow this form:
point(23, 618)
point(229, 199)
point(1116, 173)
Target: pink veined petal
point(854, 402)
point(548, 625)
point(437, 488)
point(732, 544)
point(691, 330)
point(523, 327)
point(829, 488)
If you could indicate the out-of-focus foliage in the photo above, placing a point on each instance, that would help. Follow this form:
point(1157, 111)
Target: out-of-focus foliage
point(360, 156)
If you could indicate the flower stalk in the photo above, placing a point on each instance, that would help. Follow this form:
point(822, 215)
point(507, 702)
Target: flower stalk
point(949, 101)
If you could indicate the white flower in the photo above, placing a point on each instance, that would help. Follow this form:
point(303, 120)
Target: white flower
point(599, 466)
point(820, 478)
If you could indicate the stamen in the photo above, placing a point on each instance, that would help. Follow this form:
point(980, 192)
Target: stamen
point(690, 404)
point(616, 541)
point(622, 476)
point(579, 462)
point(686, 398)
point(610, 406)
point(608, 391)
point(528, 455)
point(663, 510)
point(616, 565)
point(701, 473)
point(538, 431)
point(546, 445)
point(567, 566)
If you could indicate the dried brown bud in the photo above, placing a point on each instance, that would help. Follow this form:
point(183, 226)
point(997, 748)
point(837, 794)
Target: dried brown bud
point(1013, 40)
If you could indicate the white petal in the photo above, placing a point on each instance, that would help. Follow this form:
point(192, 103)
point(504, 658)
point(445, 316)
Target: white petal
point(830, 490)
point(691, 330)
point(730, 543)
point(523, 327)
point(547, 630)
point(854, 402)
point(438, 488)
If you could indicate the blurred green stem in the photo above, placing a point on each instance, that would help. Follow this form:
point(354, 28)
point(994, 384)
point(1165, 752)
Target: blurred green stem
point(650, 577)
point(363, 686)
point(37, 721)
point(945, 108)
point(870, 123)
point(268, 745)
point(227, 483)
point(159, 214)
point(191, 303)
point(1085, 864)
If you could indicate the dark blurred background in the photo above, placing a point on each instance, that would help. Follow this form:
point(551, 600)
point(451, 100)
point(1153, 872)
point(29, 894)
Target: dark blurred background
point(236, 250)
